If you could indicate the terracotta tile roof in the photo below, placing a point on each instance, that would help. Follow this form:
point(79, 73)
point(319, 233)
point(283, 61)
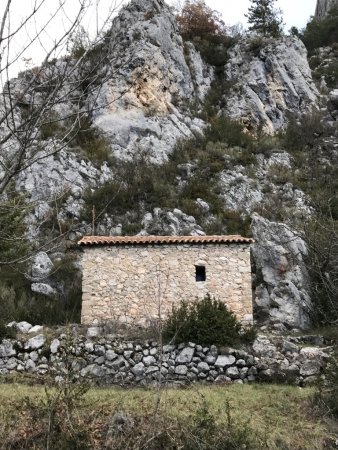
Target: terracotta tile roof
point(145, 240)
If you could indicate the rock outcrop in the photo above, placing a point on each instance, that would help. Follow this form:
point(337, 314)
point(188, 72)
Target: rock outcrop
point(244, 191)
point(170, 223)
point(324, 6)
point(62, 178)
point(155, 72)
point(271, 79)
point(282, 284)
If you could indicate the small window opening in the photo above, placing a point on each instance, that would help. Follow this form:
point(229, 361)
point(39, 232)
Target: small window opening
point(200, 273)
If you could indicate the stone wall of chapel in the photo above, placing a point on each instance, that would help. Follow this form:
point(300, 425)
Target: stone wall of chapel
point(139, 284)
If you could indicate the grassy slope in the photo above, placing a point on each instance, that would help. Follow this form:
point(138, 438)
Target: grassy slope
point(277, 417)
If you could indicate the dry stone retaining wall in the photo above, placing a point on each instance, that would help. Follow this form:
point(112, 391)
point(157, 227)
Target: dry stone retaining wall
point(110, 360)
point(138, 284)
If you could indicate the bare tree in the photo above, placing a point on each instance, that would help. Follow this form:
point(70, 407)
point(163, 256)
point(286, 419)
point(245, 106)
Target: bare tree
point(39, 97)
point(51, 98)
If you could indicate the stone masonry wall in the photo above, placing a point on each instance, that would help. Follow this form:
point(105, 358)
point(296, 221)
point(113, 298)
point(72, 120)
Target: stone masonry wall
point(139, 284)
point(112, 360)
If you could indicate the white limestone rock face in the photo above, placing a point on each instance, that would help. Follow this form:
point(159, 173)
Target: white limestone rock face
point(60, 176)
point(240, 193)
point(170, 223)
point(243, 191)
point(324, 6)
point(153, 72)
point(282, 295)
point(50, 176)
point(269, 82)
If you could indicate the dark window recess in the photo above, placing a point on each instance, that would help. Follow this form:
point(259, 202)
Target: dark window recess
point(200, 273)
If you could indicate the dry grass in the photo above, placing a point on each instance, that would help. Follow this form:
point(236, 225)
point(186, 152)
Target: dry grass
point(272, 417)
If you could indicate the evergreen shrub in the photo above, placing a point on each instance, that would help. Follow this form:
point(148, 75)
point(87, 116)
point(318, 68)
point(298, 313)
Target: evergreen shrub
point(207, 321)
point(321, 32)
point(6, 332)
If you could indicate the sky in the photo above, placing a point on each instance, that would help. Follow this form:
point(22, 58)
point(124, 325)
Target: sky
point(295, 12)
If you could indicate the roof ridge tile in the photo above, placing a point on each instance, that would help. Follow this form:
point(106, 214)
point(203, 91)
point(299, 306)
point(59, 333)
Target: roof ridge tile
point(144, 240)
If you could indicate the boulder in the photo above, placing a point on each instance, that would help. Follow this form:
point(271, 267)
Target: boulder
point(310, 368)
point(203, 367)
point(41, 266)
point(263, 347)
point(94, 332)
point(138, 369)
point(30, 366)
point(35, 342)
point(290, 347)
point(232, 372)
point(7, 349)
point(148, 360)
point(36, 329)
point(111, 355)
point(54, 346)
point(223, 361)
point(185, 356)
point(23, 327)
point(181, 369)
point(93, 370)
point(43, 289)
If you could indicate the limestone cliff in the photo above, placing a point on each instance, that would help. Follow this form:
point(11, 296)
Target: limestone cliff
point(324, 6)
point(271, 78)
point(154, 72)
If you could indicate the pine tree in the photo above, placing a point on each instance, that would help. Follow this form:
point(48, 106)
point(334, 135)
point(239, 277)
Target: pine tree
point(264, 18)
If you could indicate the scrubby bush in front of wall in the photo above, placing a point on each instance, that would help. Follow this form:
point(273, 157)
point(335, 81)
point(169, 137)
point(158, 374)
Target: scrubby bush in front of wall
point(207, 321)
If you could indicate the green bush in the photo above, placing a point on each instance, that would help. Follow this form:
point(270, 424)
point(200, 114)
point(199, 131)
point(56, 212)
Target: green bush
point(207, 321)
point(138, 187)
point(95, 147)
point(321, 234)
point(214, 50)
point(6, 332)
point(256, 44)
point(13, 244)
point(304, 132)
point(329, 72)
point(51, 127)
point(223, 129)
point(18, 302)
point(326, 395)
point(216, 97)
point(321, 33)
point(316, 172)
